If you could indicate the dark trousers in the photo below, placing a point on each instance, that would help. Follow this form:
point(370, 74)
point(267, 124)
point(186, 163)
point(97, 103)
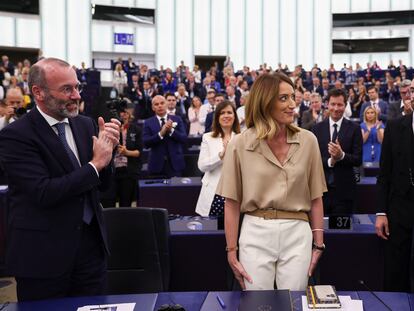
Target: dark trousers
point(332, 205)
point(123, 188)
point(126, 190)
point(399, 250)
point(167, 171)
point(87, 276)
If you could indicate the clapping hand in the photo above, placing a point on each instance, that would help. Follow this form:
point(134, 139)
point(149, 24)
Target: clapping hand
point(335, 150)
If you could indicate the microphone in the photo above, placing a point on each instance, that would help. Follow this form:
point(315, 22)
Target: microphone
point(369, 289)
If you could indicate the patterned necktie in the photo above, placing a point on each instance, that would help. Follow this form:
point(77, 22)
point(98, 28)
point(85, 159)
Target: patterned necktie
point(62, 136)
point(162, 121)
point(335, 133)
point(87, 209)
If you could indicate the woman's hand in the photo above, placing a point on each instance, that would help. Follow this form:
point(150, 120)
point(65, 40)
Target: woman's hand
point(316, 254)
point(239, 273)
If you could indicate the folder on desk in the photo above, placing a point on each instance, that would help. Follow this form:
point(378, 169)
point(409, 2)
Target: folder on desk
point(266, 300)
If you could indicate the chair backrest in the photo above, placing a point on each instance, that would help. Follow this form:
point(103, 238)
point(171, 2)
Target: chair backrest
point(139, 260)
point(191, 166)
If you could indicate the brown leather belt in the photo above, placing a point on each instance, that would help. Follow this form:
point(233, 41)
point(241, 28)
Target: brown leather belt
point(269, 213)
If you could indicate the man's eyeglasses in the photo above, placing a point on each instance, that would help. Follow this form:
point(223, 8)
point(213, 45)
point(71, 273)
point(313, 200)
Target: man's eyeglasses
point(68, 90)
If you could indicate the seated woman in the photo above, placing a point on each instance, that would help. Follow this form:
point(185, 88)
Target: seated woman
point(372, 136)
point(213, 149)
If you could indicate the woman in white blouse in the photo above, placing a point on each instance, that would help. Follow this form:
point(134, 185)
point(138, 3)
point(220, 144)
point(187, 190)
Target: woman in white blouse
point(213, 149)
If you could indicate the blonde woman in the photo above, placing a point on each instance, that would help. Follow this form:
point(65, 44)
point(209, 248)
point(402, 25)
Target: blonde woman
point(372, 135)
point(273, 173)
point(119, 79)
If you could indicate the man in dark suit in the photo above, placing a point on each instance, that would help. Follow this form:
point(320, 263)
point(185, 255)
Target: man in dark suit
point(375, 102)
point(172, 108)
point(395, 216)
point(55, 161)
point(142, 101)
point(340, 143)
point(403, 107)
point(316, 86)
point(315, 114)
point(165, 135)
point(219, 98)
point(8, 66)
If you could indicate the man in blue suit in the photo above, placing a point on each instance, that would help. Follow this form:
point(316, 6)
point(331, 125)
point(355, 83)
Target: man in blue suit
point(165, 135)
point(55, 161)
point(378, 104)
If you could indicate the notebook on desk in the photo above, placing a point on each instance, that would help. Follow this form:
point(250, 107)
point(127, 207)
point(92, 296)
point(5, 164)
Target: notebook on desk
point(279, 300)
point(251, 300)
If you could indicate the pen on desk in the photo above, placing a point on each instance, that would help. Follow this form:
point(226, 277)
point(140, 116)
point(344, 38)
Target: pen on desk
point(221, 302)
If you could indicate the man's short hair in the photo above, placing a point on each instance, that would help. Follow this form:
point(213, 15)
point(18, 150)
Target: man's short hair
point(336, 93)
point(372, 87)
point(37, 74)
point(168, 94)
point(405, 83)
point(316, 95)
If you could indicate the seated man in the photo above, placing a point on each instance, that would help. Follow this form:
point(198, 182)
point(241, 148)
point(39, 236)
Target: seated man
point(14, 107)
point(165, 135)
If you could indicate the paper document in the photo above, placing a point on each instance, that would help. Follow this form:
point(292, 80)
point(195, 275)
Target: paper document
point(347, 303)
point(111, 307)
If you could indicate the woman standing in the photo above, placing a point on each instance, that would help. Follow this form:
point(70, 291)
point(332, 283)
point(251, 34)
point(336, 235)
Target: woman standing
point(127, 160)
point(273, 173)
point(119, 79)
point(213, 149)
point(196, 128)
point(372, 135)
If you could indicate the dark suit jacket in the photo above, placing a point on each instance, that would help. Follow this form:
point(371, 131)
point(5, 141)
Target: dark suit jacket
point(396, 159)
point(394, 111)
point(319, 89)
point(170, 146)
point(143, 109)
point(350, 139)
point(382, 105)
point(46, 194)
point(134, 142)
point(307, 120)
point(209, 122)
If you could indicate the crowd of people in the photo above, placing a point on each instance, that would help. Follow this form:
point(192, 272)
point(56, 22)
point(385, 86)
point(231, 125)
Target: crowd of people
point(280, 147)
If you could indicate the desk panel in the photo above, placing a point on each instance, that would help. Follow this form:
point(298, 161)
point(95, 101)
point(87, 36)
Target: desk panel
point(179, 198)
point(349, 256)
point(192, 301)
point(182, 199)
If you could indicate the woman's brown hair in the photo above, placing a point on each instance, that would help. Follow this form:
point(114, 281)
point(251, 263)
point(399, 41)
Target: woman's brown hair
point(217, 130)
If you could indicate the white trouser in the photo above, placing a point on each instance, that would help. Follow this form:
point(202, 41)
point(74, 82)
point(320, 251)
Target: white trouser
point(275, 249)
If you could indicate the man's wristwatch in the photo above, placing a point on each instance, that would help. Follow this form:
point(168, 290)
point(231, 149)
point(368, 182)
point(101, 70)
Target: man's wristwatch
point(319, 247)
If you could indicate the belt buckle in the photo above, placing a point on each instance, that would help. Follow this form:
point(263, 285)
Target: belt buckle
point(270, 213)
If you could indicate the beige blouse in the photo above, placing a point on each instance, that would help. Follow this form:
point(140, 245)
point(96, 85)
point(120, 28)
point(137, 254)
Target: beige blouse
point(254, 177)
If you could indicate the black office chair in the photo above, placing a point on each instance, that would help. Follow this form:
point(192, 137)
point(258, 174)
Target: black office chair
point(191, 166)
point(139, 244)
